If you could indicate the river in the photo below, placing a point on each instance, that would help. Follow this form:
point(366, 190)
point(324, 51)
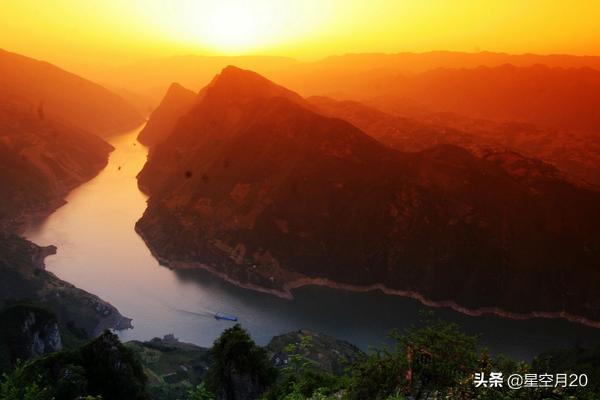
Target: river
point(99, 251)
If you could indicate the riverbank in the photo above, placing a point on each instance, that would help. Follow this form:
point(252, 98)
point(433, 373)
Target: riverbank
point(108, 316)
point(25, 273)
point(99, 252)
point(24, 277)
point(285, 291)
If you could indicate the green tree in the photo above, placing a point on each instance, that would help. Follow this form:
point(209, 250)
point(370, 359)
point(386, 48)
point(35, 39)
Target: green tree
point(17, 386)
point(438, 356)
point(433, 358)
point(300, 378)
point(239, 366)
point(200, 392)
point(103, 367)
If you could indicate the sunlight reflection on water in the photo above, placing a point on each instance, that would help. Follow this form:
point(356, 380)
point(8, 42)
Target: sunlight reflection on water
point(99, 251)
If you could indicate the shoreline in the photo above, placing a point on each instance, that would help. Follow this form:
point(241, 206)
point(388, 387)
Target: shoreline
point(285, 292)
point(33, 217)
point(113, 321)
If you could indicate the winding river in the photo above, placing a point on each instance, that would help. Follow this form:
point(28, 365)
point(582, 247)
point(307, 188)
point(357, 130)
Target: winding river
point(99, 251)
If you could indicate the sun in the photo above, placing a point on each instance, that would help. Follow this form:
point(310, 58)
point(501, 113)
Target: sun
point(231, 26)
point(235, 27)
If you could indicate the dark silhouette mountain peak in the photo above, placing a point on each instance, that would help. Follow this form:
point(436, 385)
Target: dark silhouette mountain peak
point(176, 88)
point(268, 192)
point(231, 72)
point(177, 101)
point(238, 84)
point(232, 69)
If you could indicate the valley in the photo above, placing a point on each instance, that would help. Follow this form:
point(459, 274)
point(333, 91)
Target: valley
point(99, 251)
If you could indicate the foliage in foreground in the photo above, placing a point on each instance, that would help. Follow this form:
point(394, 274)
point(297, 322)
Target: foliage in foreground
point(432, 361)
point(240, 368)
point(301, 378)
point(200, 392)
point(103, 368)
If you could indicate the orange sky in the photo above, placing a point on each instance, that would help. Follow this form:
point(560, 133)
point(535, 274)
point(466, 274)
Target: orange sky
point(74, 32)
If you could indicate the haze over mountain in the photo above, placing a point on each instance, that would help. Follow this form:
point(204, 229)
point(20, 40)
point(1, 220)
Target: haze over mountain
point(348, 76)
point(420, 62)
point(576, 153)
point(357, 174)
point(177, 101)
point(548, 97)
point(41, 160)
point(45, 152)
point(152, 77)
point(64, 96)
point(259, 188)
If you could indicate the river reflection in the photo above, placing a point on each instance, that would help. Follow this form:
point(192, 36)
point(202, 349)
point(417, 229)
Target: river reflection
point(99, 251)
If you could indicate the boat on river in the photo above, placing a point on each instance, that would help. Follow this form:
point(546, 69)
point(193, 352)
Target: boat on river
point(225, 317)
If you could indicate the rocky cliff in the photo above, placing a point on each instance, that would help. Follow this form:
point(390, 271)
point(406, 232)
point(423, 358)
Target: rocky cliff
point(27, 331)
point(264, 191)
point(575, 153)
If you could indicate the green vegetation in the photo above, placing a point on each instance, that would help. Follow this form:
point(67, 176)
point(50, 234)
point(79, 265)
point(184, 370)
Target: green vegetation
point(240, 367)
point(327, 353)
point(27, 330)
point(200, 392)
point(578, 360)
point(173, 368)
point(18, 386)
point(103, 368)
point(434, 360)
point(302, 377)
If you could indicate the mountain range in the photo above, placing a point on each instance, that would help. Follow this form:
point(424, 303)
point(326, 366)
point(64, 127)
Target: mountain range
point(41, 160)
point(257, 185)
point(577, 155)
point(334, 74)
point(64, 96)
point(162, 120)
point(50, 120)
point(560, 98)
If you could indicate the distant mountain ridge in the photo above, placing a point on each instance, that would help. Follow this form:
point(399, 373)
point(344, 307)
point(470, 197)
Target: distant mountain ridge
point(260, 189)
point(64, 96)
point(321, 77)
point(41, 160)
point(46, 150)
point(576, 154)
point(177, 101)
point(555, 91)
point(421, 62)
point(152, 77)
point(548, 97)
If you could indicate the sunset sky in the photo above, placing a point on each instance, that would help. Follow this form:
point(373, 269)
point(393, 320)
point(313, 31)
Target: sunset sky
point(72, 32)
